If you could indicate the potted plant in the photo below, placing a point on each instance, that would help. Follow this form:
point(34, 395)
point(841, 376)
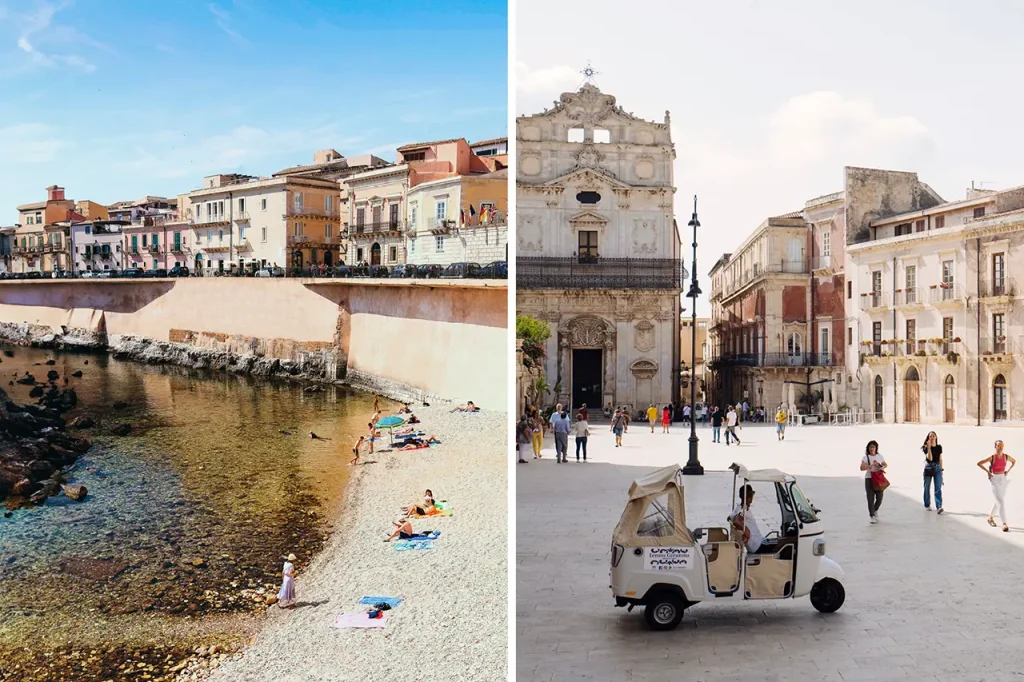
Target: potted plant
point(956, 339)
point(944, 285)
point(921, 353)
point(933, 286)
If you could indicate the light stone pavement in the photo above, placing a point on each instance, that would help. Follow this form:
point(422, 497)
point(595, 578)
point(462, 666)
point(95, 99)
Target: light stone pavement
point(928, 597)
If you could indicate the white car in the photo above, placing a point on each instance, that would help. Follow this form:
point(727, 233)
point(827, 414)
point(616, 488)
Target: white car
point(659, 563)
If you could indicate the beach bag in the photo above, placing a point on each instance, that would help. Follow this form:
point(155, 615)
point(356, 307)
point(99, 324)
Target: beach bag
point(878, 481)
point(929, 469)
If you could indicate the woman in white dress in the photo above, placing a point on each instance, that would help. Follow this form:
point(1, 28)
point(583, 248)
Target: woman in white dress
point(287, 594)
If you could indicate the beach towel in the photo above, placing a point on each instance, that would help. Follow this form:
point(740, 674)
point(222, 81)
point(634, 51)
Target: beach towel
point(406, 545)
point(373, 601)
point(415, 447)
point(360, 620)
point(433, 511)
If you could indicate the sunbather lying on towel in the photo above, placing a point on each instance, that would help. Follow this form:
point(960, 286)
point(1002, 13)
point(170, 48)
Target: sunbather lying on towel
point(468, 407)
point(412, 443)
point(403, 531)
point(420, 508)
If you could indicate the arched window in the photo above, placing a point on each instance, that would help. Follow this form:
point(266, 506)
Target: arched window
point(912, 374)
point(879, 396)
point(999, 398)
point(794, 346)
point(949, 400)
point(575, 134)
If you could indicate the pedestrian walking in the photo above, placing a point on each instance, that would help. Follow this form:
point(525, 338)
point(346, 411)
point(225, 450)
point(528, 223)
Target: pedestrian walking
point(731, 420)
point(873, 465)
point(536, 433)
point(286, 596)
point(746, 411)
point(666, 418)
point(561, 425)
point(716, 425)
point(582, 431)
point(780, 423)
point(618, 426)
point(652, 416)
point(524, 438)
point(932, 471)
point(584, 412)
point(355, 451)
point(996, 468)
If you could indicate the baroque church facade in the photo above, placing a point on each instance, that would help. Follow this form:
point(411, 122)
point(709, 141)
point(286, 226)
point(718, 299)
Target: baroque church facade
point(599, 252)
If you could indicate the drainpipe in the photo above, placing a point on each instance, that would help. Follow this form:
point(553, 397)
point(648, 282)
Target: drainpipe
point(895, 371)
point(231, 226)
point(977, 304)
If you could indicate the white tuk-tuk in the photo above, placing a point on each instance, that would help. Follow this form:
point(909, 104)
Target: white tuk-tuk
point(660, 563)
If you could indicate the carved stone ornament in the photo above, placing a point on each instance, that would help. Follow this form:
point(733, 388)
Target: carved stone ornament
point(644, 369)
point(644, 237)
point(643, 336)
point(589, 106)
point(622, 196)
point(588, 156)
point(587, 332)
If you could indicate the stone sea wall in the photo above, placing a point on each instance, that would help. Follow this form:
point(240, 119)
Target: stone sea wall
point(407, 340)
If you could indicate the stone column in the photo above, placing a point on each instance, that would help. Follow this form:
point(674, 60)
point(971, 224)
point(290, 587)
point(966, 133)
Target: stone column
point(563, 369)
point(608, 386)
point(792, 399)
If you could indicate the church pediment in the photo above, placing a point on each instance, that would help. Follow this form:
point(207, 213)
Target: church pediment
point(588, 218)
point(588, 178)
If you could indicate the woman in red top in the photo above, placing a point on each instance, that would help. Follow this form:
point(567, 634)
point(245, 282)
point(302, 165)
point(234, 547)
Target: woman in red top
point(997, 470)
point(666, 419)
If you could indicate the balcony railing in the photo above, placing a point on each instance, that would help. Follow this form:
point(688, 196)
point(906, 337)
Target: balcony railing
point(789, 267)
point(874, 300)
point(240, 216)
point(211, 220)
point(945, 294)
point(310, 212)
point(910, 297)
point(489, 218)
point(604, 273)
point(380, 227)
point(997, 345)
point(998, 288)
point(776, 360)
point(822, 262)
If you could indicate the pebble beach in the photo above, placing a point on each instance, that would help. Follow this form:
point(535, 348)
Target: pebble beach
point(453, 622)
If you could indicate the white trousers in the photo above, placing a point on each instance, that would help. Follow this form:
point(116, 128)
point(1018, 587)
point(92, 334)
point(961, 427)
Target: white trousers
point(999, 483)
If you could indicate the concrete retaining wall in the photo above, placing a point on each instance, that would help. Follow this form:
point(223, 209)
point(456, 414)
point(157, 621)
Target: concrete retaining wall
point(445, 340)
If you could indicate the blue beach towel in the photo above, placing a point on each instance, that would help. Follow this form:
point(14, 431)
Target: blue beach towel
point(406, 545)
point(390, 601)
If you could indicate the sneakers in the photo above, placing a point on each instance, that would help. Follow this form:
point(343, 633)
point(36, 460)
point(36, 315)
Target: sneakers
point(939, 510)
point(874, 519)
point(927, 508)
point(523, 461)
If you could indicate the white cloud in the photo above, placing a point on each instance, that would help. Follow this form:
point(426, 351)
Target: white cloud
point(29, 143)
point(537, 88)
point(38, 32)
point(224, 22)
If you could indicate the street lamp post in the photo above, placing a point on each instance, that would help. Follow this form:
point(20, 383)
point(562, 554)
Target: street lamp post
point(693, 466)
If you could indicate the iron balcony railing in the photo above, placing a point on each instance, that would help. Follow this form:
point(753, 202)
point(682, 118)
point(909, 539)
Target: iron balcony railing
point(776, 360)
point(945, 293)
point(380, 227)
point(310, 212)
point(878, 298)
point(785, 267)
point(534, 272)
point(822, 262)
point(1001, 287)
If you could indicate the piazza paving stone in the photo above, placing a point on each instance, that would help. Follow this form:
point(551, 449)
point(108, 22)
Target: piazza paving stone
point(928, 597)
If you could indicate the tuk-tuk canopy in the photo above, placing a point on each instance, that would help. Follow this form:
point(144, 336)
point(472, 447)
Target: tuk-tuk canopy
point(760, 475)
point(655, 515)
point(654, 482)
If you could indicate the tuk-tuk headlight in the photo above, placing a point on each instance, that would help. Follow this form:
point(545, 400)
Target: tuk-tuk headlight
point(819, 547)
point(617, 552)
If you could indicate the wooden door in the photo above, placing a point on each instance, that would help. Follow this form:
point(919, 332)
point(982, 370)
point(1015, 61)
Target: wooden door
point(911, 401)
point(949, 401)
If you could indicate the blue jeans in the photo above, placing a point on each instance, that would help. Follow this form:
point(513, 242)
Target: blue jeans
point(731, 431)
point(716, 434)
point(581, 441)
point(938, 489)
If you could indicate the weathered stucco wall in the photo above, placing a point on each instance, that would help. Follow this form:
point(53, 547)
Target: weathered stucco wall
point(443, 340)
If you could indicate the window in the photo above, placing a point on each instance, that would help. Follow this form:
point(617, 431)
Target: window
point(412, 246)
point(999, 398)
point(297, 229)
point(903, 229)
point(940, 222)
point(209, 240)
point(39, 218)
point(911, 283)
point(360, 216)
point(241, 233)
point(297, 201)
point(263, 204)
point(998, 274)
point(413, 209)
point(998, 333)
point(393, 254)
point(947, 280)
point(88, 251)
point(588, 197)
point(826, 241)
point(264, 231)
point(919, 226)
point(440, 210)
point(135, 243)
point(329, 204)
point(911, 337)
point(602, 136)
point(220, 208)
point(979, 212)
point(144, 240)
point(793, 345)
point(575, 135)
point(947, 329)
point(241, 205)
point(328, 228)
point(825, 348)
point(31, 220)
point(88, 229)
point(414, 156)
point(439, 243)
point(876, 337)
point(375, 215)
point(177, 241)
point(657, 521)
point(849, 336)
point(220, 236)
point(587, 245)
point(393, 216)
point(849, 290)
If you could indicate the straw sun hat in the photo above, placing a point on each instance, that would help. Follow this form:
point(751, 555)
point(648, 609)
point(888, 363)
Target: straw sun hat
point(291, 557)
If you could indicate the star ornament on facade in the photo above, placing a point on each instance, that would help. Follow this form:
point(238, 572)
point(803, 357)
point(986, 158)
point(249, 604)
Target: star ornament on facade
point(589, 73)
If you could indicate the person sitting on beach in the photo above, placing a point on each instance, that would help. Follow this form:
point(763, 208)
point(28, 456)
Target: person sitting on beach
point(405, 409)
point(421, 508)
point(468, 407)
point(412, 443)
point(355, 450)
point(413, 419)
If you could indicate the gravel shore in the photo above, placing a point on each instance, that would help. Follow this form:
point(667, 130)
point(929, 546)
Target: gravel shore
point(453, 624)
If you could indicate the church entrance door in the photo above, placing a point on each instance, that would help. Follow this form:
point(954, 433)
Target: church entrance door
point(587, 368)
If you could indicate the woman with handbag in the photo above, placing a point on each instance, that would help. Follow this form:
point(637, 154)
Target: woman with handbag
point(873, 465)
point(932, 471)
point(997, 467)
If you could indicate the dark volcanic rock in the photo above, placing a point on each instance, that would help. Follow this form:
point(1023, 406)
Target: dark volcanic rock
point(52, 375)
point(51, 361)
point(81, 423)
point(27, 380)
point(36, 392)
point(123, 429)
point(77, 373)
point(119, 405)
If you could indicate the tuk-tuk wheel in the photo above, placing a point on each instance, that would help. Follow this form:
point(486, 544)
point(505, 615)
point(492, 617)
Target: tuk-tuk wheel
point(664, 611)
point(828, 595)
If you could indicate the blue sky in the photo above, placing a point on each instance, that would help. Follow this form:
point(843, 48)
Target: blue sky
point(114, 99)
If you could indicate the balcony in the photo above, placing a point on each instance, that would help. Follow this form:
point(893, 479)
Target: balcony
point(909, 298)
point(241, 216)
point(875, 300)
point(211, 221)
point(311, 241)
point(382, 227)
point(998, 291)
point(822, 263)
point(604, 273)
point(775, 360)
point(946, 295)
point(485, 219)
point(745, 277)
point(178, 247)
point(998, 352)
point(310, 212)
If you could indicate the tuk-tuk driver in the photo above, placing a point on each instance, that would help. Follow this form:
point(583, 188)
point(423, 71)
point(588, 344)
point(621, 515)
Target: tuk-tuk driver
point(745, 523)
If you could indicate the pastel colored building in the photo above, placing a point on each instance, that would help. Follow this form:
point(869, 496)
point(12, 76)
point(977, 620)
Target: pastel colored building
point(96, 246)
point(153, 244)
point(41, 238)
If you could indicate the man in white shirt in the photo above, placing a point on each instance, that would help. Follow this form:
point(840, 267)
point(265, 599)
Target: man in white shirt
point(743, 521)
point(730, 425)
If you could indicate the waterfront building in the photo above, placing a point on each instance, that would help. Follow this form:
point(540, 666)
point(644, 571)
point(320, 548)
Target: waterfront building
point(154, 208)
point(6, 243)
point(598, 255)
point(158, 242)
point(939, 332)
point(246, 222)
point(96, 246)
point(90, 210)
point(41, 237)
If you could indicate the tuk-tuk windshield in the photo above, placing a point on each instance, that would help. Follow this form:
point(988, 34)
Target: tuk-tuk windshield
point(804, 510)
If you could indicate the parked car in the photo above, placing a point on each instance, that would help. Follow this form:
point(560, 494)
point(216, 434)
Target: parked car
point(379, 271)
point(429, 271)
point(495, 270)
point(270, 272)
point(178, 271)
point(159, 272)
point(88, 274)
point(106, 274)
point(462, 271)
point(341, 270)
point(20, 275)
point(35, 274)
point(403, 270)
point(133, 273)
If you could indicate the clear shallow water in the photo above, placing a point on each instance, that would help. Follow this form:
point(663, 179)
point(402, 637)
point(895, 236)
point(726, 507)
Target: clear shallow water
point(205, 474)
